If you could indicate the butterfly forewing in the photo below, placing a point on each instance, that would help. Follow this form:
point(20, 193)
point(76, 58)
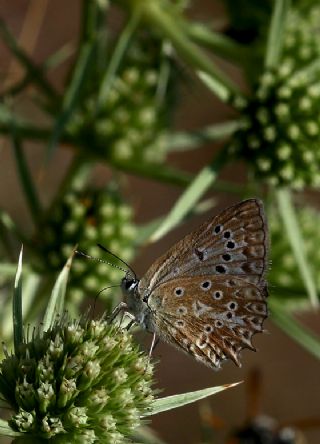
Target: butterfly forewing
point(207, 294)
point(233, 242)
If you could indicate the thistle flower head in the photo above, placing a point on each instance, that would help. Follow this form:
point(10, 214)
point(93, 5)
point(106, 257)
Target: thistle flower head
point(85, 218)
point(80, 381)
point(280, 132)
point(132, 119)
point(302, 34)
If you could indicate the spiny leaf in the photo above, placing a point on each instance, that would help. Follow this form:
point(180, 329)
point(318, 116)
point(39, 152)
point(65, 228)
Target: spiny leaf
point(191, 196)
point(56, 301)
point(17, 306)
point(295, 238)
point(284, 319)
point(6, 430)
point(172, 402)
point(276, 35)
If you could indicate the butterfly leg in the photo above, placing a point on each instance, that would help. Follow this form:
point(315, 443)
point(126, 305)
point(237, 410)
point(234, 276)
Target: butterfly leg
point(132, 320)
point(121, 307)
point(154, 343)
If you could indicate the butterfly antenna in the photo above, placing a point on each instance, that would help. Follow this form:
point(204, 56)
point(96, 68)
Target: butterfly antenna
point(117, 257)
point(98, 294)
point(81, 253)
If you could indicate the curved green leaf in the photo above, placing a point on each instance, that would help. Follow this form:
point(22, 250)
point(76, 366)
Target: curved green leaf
point(17, 306)
point(6, 430)
point(71, 96)
point(184, 141)
point(56, 301)
point(295, 238)
point(191, 196)
point(174, 401)
point(284, 320)
point(276, 34)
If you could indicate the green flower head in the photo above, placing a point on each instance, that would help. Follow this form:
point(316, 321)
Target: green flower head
point(85, 218)
point(280, 132)
point(80, 381)
point(132, 119)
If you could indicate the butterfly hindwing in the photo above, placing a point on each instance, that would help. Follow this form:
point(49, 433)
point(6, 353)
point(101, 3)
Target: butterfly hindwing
point(211, 317)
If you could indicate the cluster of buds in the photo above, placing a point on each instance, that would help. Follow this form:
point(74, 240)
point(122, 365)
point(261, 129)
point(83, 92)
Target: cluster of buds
point(131, 122)
point(280, 129)
point(85, 218)
point(77, 382)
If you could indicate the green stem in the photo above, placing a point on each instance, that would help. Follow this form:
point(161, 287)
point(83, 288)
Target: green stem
point(34, 72)
point(275, 37)
point(72, 95)
point(219, 43)
point(293, 328)
point(118, 53)
point(182, 141)
point(51, 62)
point(7, 229)
point(191, 195)
point(292, 297)
point(27, 185)
point(153, 171)
point(295, 238)
point(164, 20)
point(90, 18)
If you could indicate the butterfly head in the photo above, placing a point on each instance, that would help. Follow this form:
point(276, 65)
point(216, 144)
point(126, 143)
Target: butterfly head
point(137, 301)
point(129, 283)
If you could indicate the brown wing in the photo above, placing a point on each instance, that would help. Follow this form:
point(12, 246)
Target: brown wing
point(210, 317)
point(234, 243)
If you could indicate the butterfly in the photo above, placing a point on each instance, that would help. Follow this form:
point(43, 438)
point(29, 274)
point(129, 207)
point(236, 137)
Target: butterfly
point(207, 294)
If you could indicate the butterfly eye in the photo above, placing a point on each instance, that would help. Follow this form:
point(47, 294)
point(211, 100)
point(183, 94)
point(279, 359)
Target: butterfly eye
point(129, 283)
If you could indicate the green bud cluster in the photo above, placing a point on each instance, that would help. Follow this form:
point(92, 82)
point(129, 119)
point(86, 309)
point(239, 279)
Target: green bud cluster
point(85, 218)
point(131, 123)
point(80, 381)
point(279, 135)
point(302, 36)
point(284, 271)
